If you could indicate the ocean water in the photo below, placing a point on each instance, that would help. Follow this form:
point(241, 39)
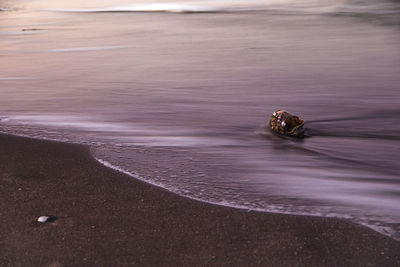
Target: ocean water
point(179, 94)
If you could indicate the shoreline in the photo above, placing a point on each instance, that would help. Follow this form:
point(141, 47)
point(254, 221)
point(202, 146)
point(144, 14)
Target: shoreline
point(136, 176)
point(109, 218)
point(228, 205)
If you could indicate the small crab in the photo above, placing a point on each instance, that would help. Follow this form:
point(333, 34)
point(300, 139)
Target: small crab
point(284, 123)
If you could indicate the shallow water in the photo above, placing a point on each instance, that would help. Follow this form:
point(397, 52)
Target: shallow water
point(182, 100)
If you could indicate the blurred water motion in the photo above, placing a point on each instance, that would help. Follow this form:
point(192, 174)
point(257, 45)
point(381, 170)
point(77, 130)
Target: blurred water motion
point(182, 100)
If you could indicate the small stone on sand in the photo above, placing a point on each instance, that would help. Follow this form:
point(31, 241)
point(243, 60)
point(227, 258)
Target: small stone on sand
point(43, 219)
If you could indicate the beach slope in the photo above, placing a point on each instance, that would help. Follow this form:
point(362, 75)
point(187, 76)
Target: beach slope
point(105, 218)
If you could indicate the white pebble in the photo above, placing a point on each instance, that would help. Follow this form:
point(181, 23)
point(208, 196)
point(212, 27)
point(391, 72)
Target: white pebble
point(42, 219)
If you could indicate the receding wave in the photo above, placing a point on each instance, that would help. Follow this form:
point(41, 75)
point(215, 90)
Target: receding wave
point(132, 134)
point(161, 7)
point(13, 33)
point(15, 78)
point(86, 49)
point(276, 6)
point(357, 126)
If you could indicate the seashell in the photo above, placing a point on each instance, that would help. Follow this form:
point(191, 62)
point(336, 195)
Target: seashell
point(284, 123)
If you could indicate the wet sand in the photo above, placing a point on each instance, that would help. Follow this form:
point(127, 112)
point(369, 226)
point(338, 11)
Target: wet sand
point(105, 218)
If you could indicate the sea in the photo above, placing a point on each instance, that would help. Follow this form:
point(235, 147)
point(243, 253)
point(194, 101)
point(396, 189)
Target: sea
point(179, 94)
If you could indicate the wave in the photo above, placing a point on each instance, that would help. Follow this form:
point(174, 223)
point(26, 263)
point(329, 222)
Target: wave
point(271, 208)
point(15, 78)
point(276, 6)
point(155, 136)
point(132, 134)
point(160, 7)
point(13, 33)
point(86, 49)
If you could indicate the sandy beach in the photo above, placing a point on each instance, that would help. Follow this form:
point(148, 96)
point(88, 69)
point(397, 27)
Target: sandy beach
point(105, 218)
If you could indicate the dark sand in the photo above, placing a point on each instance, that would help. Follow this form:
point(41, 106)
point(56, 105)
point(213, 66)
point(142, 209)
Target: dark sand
point(106, 218)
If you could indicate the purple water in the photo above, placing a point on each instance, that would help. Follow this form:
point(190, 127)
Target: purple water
point(181, 99)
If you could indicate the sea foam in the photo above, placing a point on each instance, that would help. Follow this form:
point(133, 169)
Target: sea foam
point(87, 49)
point(157, 7)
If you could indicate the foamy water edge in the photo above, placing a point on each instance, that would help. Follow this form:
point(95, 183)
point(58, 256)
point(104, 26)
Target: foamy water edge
point(267, 208)
point(271, 209)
